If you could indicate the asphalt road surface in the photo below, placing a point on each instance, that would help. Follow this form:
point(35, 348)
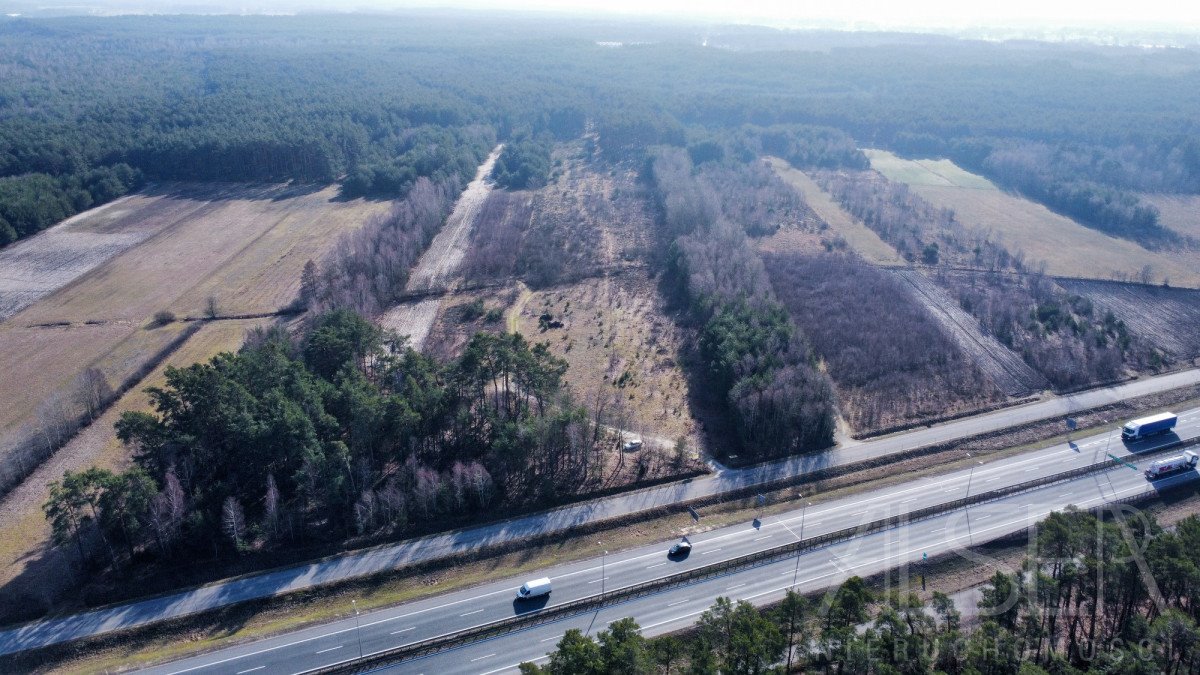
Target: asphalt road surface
point(351, 565)
point(340, 641)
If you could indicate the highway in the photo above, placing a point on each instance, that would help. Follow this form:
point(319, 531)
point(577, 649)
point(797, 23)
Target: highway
point(360, 563)
point(338, 641)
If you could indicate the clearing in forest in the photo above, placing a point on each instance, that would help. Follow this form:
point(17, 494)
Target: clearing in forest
point(1066, 247)
point(621, 349)
point(565, 264)
point(859, 237)
point(33, 574)
point(939, 172)
point(1168, 318)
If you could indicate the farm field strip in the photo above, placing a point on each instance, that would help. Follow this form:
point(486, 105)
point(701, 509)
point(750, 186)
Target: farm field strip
point(36, 267)
point(860, 238)
point(247, 249)
point(1066, 247)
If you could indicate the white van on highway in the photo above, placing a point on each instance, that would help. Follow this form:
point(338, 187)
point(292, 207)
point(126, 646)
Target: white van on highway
point(534, 588)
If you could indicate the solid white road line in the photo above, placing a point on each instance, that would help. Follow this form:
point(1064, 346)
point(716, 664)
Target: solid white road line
point(514, 665)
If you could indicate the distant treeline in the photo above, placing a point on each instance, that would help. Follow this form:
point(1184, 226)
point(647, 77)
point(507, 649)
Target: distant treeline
point(379, 102)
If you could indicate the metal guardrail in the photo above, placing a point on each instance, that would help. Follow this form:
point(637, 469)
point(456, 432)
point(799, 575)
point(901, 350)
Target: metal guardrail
point(579, 606)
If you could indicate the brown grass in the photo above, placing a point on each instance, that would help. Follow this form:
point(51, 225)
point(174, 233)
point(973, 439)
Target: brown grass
point(859, 237)
point(40, 361)
point(1178, 212)
point(618, 342)
point(24, 553)
point(246, 247)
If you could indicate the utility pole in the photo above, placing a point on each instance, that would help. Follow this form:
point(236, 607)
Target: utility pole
point(357, 627)
point(800, 544)
point(967, 499)
point(602, 575)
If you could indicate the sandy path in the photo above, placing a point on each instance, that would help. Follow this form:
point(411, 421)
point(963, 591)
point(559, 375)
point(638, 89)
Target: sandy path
point(437, 268)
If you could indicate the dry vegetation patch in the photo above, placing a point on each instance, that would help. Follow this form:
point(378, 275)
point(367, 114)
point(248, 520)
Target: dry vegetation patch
point(889, 359)
point(1168, 318)
point(621, 347)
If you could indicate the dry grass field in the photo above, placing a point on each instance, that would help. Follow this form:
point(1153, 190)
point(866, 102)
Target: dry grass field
point(859, 237)
point(40, 361)
point(1178, 212)
point(246, 247)
point(1066, 247)
point(32, 575)
point(935, 172)
point(106, 272)
point(620, 345)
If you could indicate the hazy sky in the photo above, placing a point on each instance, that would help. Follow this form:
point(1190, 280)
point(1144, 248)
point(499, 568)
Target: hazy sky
point(950, 13)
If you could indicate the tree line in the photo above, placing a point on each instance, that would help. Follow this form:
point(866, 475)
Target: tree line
point(754, 357)
point(1061, 335)
point(1097, 596)
point(378, 102)
point(31, 202)
point(338, 432)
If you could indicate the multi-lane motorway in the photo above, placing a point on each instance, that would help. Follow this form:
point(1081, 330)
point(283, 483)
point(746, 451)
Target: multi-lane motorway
point(670, 609)
point(391, 557)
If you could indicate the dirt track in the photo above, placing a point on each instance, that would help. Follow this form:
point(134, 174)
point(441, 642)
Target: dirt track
point(437, 268)
point(1002, 365)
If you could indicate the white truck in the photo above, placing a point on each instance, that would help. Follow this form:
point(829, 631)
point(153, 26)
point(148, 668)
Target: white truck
point(1142, 427)
point(1170, 465)
point(534, 588)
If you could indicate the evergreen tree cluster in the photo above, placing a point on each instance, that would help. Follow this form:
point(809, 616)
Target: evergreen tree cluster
point(339, 433)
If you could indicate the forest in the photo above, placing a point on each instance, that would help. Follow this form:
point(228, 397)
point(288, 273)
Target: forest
point(758, 363)
point(88, 108)
point(335, 433)
point(1096, 596)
